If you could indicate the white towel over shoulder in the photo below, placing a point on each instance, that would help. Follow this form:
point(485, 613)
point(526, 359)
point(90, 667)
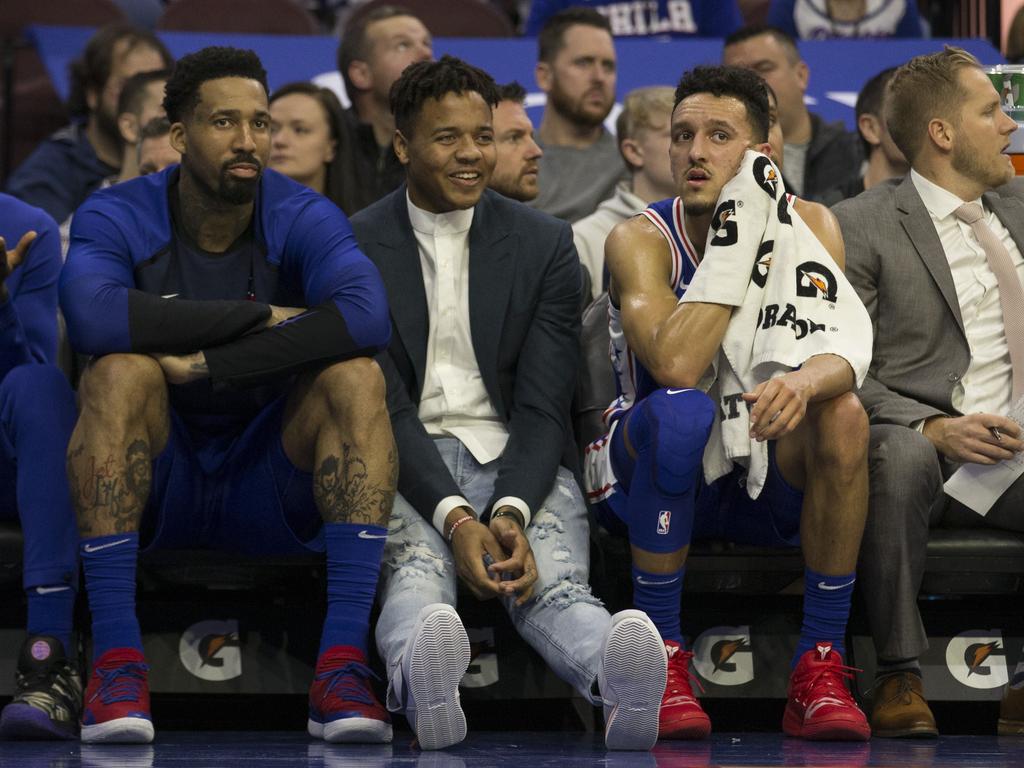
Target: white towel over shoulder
point(792, 302)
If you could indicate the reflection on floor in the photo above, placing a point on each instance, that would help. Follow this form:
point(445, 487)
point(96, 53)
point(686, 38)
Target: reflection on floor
point(521, 750)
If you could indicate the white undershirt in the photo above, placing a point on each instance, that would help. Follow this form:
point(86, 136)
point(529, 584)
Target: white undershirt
point(454, 402)
point(988, 383)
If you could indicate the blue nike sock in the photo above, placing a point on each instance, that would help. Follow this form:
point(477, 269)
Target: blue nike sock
point(353, 566)
point(826, 609)
point(658, 595)
point(110, 564)
point(51, 610)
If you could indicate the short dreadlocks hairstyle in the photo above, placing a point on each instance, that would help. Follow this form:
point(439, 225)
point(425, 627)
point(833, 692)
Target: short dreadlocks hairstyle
point(741, 84)
point(182, 90)
point(434, 80)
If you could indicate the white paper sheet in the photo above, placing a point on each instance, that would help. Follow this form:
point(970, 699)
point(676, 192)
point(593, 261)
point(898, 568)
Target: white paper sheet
point(979, 486)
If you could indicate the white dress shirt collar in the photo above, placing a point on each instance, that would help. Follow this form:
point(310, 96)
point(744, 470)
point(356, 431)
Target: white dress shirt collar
point(939, 201)
point(450, 223)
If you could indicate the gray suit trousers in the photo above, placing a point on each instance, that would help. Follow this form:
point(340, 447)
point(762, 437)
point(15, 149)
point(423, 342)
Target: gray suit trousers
point(906, 499)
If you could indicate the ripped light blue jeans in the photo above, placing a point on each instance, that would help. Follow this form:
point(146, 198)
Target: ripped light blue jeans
point(562, 621)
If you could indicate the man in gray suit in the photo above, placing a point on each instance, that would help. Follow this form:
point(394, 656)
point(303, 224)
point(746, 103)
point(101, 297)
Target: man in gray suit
point(941, 376)
point(480, 371)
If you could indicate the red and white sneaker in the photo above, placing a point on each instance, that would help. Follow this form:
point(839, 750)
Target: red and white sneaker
point(820, 706)
point(342, 705)
point(116, 706)
point(681, 715)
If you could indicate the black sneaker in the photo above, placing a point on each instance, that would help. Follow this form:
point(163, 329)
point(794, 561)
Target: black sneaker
point(48, 694)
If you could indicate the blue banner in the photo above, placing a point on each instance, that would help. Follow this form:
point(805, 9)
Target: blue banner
point(838, 67)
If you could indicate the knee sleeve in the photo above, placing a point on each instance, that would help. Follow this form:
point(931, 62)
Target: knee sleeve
point(670, 432)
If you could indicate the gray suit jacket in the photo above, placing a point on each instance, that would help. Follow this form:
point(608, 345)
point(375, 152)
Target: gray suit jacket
point(524, 294)
point(896, 263)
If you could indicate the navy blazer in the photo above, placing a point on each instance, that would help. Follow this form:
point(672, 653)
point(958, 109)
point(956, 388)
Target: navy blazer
point(524, 294)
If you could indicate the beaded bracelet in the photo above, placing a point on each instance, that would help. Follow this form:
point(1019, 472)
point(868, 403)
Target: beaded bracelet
point(456, 524)
point(515, 514)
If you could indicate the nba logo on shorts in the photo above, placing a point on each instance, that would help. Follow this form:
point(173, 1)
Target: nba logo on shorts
point(664, 520)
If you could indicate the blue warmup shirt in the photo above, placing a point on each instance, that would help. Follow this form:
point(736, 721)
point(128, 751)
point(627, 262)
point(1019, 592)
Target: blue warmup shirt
point(60, 173)
point(135, 282)
point(28, 319)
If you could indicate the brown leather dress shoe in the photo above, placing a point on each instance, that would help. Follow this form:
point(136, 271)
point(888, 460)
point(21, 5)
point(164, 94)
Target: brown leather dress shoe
point(1011, 713)
point(900, 710)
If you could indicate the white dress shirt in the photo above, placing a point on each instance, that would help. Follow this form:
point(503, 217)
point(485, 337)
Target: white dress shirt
point(454, 402)
point(988, 383)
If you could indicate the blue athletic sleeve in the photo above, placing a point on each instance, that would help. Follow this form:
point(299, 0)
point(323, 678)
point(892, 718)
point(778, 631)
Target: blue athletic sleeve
point(780, 14)
point(541, 11)
point(348, 315)
point(105, 313)
point(910, 24)
point(718, 18)
point(28, 319)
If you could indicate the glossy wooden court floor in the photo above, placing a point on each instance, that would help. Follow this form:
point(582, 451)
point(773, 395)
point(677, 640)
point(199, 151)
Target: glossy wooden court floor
point(519, 749)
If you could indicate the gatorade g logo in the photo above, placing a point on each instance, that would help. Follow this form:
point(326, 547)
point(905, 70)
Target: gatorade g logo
point(812, 279)
point(762, 263)
point(765, 176)
point(211, 650)
point(977, 659)
point(723, 224)
point(723, 655)
point(483, 665)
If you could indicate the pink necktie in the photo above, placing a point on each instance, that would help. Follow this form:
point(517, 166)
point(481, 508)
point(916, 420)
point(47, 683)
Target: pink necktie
point(1011, 293)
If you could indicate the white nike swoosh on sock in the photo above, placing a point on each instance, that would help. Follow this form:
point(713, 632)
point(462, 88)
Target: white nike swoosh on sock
point(823, 585)
point(169, 296)
point(90, 548)
point(48, 590)
point(367, 535)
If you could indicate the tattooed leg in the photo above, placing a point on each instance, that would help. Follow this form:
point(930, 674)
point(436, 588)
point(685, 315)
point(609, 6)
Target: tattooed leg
point(337, 426)
point(123, 423)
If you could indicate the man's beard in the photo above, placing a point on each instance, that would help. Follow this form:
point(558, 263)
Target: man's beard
point(237, 191)
point(230, 190)
point(574, 110)
point(107, 125)
point(964, 162)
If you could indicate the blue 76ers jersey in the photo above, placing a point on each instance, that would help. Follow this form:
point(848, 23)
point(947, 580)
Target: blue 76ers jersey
point(634, 382)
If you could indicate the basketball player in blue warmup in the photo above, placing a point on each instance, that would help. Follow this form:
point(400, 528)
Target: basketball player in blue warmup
point(232, 402)
point(37, 414)
point(646, 475)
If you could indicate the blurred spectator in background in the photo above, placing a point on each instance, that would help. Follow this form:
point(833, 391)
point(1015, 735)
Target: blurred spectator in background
point(155, 151)
point(141, 100)
point(817, 19)
point(678, 18)
point(515, 174)
point(819, 155)
point(642, 130)
point(1015, 39)
point(69, 165)
point(307, 128)
point(373, 52)
point(576, 69)
point(884, 159)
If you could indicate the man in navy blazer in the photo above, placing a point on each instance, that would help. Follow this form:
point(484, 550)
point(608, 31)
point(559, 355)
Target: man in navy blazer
point(481, 368)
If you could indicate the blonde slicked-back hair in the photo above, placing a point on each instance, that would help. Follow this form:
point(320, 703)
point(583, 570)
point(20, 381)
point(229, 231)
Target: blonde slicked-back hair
point(644, 109)
point(925, 88)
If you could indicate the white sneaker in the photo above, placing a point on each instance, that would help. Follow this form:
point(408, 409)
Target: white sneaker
point(435, 658)
point(632, 681)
